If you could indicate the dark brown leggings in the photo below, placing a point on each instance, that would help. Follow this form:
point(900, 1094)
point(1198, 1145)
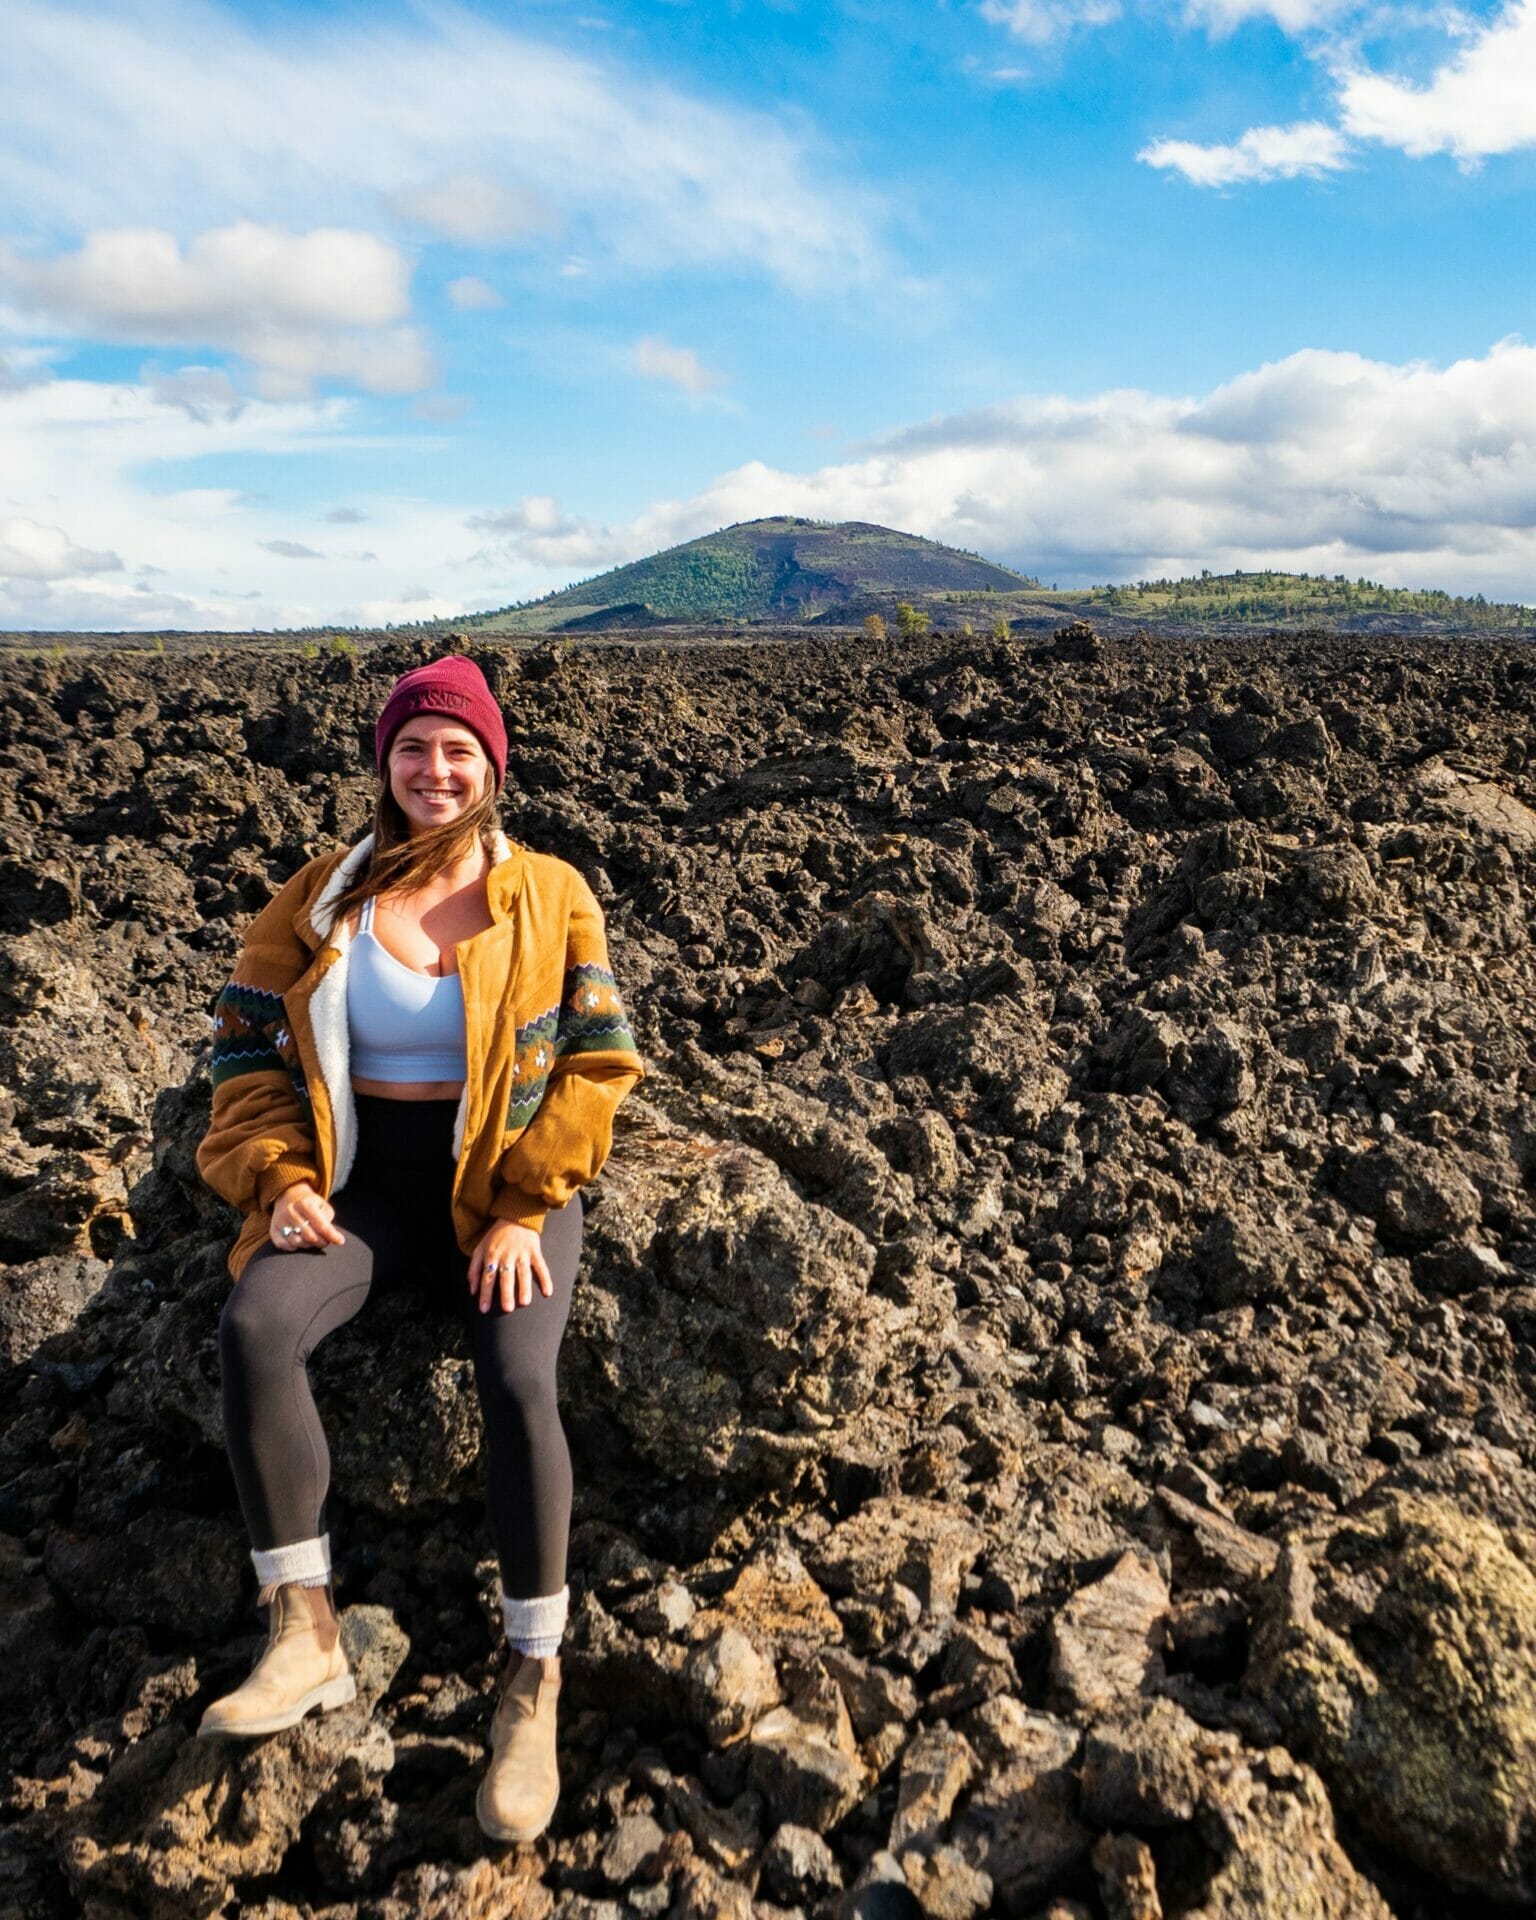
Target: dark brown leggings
point(394, 1212)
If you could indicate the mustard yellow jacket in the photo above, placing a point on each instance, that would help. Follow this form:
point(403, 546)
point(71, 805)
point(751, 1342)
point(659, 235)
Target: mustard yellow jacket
point(549, 1050)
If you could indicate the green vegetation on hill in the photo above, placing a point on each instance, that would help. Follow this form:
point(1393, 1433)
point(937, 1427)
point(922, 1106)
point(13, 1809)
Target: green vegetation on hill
point(790, 572)
point(1236, 599)
point(1239, 599)
point(709, 580)
point(783, 569)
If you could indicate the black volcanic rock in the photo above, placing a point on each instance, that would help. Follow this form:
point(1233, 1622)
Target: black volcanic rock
point(1084, 1189)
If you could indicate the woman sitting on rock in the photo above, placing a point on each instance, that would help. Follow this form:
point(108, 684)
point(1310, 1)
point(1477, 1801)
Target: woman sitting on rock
point(415, 1069)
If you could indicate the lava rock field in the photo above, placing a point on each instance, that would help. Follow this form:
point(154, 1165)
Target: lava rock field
point(1051, 1380)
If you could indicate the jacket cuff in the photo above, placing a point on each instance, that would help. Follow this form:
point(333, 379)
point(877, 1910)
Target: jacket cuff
point(282, 1174)
point(520, 1208)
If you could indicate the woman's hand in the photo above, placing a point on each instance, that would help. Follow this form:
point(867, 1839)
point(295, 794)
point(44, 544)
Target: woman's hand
point(307, 1217)
point(507, 1259)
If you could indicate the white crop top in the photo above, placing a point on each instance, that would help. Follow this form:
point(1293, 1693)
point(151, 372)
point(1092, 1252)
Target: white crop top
point(403, 1025)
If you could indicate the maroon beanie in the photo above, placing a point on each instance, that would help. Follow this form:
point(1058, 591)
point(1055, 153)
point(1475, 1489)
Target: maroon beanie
point(454, 687)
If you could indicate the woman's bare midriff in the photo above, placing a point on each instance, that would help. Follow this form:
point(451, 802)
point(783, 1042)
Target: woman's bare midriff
point(409, 1089)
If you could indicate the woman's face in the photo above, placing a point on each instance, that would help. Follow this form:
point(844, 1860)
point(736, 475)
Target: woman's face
point(437, 771)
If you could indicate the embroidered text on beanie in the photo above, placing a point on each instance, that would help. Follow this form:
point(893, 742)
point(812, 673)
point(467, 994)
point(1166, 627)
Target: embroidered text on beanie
point(454, 687)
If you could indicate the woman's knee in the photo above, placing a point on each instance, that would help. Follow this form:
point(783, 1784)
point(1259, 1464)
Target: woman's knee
point(259, 1324)
point(520, 1384)
point(284, 1304)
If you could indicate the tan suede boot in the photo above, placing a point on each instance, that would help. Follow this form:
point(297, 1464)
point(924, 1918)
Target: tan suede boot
point(517, 1797)
point(304, 1666)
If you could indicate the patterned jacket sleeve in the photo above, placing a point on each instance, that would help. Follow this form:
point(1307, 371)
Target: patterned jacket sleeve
point(595, 1064)
point(261, 1136)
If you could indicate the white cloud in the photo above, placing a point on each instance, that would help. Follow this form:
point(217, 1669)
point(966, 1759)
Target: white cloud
point(203, 393)
point(538, 533)
point(411, 603)
point(139, 278)
point(209, 505)
point(469, 293)
point(87, 463)
point(1040, 21)
point(28, 360)
point(32, 552)
point(1321, 462)
point(170, 112)
point(290, 550)
point(441, 406)
point(1263, 153)
point(474, 208)
point(657, 359)
point(1481, 102)
point(67, 607)
point(298, 306)
point(1293, 16)
point(395, 360)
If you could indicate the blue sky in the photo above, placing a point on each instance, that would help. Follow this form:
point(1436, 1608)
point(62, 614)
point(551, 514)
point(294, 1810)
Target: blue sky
point(332, 314)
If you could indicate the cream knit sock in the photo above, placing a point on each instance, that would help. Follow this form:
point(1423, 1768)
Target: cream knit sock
point(303, 1563)
point(534, 1626)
